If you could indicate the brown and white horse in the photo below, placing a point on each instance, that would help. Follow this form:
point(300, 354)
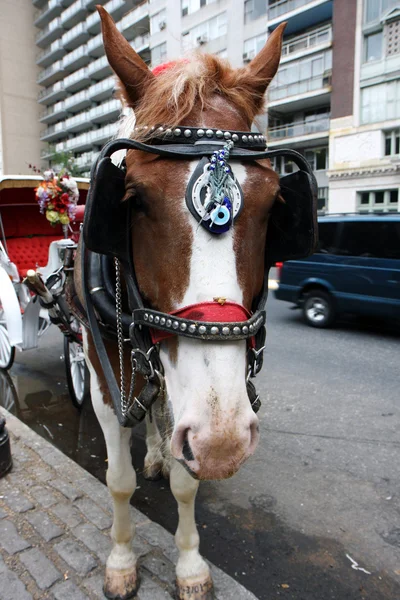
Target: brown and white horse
point(178, 263)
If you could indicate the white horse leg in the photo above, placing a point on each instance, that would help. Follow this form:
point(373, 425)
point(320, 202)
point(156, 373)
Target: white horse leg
point(154, 460)
point(193, 579)
point(121, 579)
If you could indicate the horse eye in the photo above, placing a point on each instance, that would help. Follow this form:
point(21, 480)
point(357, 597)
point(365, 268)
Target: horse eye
point(137, 198)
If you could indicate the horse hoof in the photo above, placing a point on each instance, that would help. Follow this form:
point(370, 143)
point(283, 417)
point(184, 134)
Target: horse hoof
point(120, 584)
point(195, 588)
point(153, 471)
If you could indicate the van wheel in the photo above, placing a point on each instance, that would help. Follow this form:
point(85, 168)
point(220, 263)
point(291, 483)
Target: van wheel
point(318, 309)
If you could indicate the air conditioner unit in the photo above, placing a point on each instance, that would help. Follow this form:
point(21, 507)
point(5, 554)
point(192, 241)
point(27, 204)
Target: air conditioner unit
point(327, 77)
point(162, 25)
point(248, 56)
point(202, 39)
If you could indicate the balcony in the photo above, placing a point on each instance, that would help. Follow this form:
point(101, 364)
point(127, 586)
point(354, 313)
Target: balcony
point(54, 132)
point(77, 81)
point(102, 135)
point(141, 43)
point(38, 3)
point(52, 94)
point(50, 55)
point(75, 13)
point(91, 4)
point(99, 68)
point(75, 37)
point(49, 12)
point(105, 112)
point(95, 45)
point(78, 122)
point(76, 59)
point(300, 131)
point(80, 143)
point(102, 90)
point(300, 14)
point(313, 41)
point(52, 74)
point(114, 7)
point(85, 160)
point(60, 146)
point(136, 22)
point(300, 95)
point(53, 31)
point(54, 113)
point(77, 102)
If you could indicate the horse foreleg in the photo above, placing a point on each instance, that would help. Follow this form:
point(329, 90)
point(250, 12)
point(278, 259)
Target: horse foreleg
point(154, 460)
point(121, 579)
point(193, 578)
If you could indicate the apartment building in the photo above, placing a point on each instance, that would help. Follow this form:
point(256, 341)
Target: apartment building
point(336, 97)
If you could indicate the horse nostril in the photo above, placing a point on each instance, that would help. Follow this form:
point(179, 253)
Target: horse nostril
point(186, 449)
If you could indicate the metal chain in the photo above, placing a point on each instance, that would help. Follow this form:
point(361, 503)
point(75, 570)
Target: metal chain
point(120, 336)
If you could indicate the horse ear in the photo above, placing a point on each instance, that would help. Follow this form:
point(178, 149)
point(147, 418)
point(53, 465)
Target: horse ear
point(132, 71)
point(262, 69)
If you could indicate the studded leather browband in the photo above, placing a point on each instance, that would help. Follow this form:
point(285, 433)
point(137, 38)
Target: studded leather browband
point(191, 135)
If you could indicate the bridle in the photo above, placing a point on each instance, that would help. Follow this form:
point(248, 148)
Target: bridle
point(216, 320)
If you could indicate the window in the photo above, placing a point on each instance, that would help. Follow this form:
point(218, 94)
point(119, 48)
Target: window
point(327, 233)
point(393, 38)
point(380, 102)
point(318, 158)
point(322, 198)
point(206, 31)
point(252, 46)
point(373, 46)
point(374, 9)
point(378, 201)
point(190, 6)
point(392, 142)
point(283, 165)
point(158, 22)
point(372, 239)
point(304, 69)
point(253, 9)
point(158, 54)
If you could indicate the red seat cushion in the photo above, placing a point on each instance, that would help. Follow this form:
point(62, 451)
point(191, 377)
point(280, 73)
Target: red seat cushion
point(30, 252)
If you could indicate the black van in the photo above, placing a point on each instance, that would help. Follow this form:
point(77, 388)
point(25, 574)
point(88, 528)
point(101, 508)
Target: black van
point(356, 269)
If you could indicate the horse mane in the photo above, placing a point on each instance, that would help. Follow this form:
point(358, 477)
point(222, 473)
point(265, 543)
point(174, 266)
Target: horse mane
point(191, 83)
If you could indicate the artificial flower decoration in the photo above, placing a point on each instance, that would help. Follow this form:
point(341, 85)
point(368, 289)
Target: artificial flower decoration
point(57, 196)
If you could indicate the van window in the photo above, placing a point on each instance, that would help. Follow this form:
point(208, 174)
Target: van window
point(375, 239)
point(326, 235)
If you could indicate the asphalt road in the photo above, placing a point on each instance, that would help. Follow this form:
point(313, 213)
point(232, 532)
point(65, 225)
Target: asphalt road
point(315, 514)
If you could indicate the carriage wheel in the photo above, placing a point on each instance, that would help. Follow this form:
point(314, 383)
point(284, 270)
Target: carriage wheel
point(7, 352)
point(77, 372)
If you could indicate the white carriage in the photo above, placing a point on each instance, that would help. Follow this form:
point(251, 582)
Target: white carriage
point(28, 243)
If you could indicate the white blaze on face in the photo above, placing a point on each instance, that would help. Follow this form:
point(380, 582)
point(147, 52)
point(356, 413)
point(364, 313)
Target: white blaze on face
point(207, 374)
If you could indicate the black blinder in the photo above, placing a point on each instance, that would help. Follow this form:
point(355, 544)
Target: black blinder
point(106, 216)
point(292, 228)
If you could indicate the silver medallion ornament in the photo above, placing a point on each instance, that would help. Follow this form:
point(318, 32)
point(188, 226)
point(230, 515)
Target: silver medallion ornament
point(214, 196)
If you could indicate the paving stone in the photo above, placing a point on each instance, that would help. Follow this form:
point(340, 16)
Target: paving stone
point(40, 567)
point(97, 491)
point(44, 496)
point(67, 590)
point(10, 539)
point(96, 541)
point(158, 536)
point(11, 587)
point(151, 590)
point(67, 514)
point(160, 566)
point(95, 585)
point(43, 474)
point(52, 457)
point(94, 513)
point(79, 560)
point(44, 525)
point(17, 501)
point(140, 546)
point(3, 514)
point(14, 479)
point(66, 489)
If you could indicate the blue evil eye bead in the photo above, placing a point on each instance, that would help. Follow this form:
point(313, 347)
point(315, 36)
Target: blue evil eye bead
point(227, 169)
point(212, 167)
point(220, 215)
point(213, 159)
point(222, 163)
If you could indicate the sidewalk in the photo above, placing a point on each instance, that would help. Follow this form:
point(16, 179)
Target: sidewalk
point(55, 521)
